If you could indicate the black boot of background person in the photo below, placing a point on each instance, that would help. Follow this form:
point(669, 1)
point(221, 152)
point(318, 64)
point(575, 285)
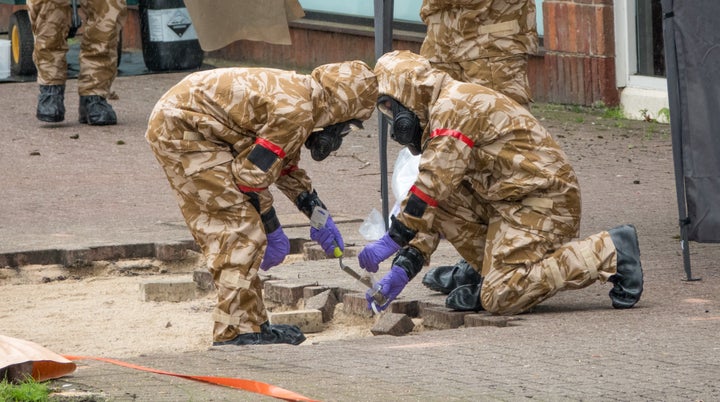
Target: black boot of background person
point(465, 298)
point(448, 277)
point(96, 111)
point(628, 281)
point(51, 103)
point(269, 334)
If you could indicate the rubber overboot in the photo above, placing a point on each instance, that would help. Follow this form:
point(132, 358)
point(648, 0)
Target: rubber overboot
point(628, 281)
point(448, 277)
point(465, 298)
point(269, 334)
point(96, 111)
point(51, 103)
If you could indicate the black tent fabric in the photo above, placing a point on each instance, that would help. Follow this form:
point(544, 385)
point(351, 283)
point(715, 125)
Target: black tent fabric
point(692, 54)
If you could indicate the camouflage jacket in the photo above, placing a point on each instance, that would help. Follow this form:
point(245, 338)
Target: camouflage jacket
point(470, 29)
point(259, 118)
point(479, 139)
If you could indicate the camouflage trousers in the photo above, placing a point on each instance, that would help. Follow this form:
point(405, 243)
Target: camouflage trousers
point(221, 219)
point(50, 21)
point(505, 74)
point(521, 266)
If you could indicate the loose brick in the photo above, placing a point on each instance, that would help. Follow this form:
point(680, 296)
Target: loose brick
point(442, 318)
point(203, 279)
point(393, 324)
point(355, 303)
point(78, 257)
point(409, 307)
point(310, 291)
point(284, 293)
point(325, 302)
point(168, 290)
point(308, 321)
point(170, 251)
point(314, 252)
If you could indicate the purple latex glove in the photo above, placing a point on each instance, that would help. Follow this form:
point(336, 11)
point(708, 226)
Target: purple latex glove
point(277, 248)
point(329, 237)
point(390, 286)
point(377, 252)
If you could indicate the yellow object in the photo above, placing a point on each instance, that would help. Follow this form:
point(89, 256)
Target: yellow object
point(337, 252)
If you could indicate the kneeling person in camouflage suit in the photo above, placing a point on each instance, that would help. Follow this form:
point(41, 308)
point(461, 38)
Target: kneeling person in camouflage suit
point(223, 137)
point(496, 185)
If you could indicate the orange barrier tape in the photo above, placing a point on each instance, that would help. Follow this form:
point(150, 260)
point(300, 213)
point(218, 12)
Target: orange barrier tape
point(238, 383)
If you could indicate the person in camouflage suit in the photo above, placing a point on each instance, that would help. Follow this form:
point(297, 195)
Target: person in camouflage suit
point(224, 136)
point(50, 21)
point(485, 42)
point(496, 185)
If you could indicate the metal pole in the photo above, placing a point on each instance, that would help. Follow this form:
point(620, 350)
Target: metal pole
point(383, 44)
point(676, 117)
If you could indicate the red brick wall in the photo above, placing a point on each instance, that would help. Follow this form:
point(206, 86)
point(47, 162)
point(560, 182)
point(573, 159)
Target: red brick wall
point(579, 62)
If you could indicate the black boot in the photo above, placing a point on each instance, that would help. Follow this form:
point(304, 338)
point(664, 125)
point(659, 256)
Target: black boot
point(446, 278)
point(628, 281)
point(269, 334)
point(96, 111)
point(465, 298)
point(51, 103)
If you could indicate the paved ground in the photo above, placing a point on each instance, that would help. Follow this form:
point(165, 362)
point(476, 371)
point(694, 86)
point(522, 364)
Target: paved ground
point(68, 187)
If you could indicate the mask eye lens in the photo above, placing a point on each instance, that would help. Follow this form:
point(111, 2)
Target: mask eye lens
point(386, 109)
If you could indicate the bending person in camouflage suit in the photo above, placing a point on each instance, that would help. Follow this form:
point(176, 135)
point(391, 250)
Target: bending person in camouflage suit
point(496, 185)
point(223, 137)
point(485, 42)
point(50, 21)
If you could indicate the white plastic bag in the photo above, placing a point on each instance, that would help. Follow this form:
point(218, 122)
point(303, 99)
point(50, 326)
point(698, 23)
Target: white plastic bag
point(404, 175)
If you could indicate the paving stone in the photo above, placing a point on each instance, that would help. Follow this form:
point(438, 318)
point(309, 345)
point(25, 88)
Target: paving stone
point(203, 279)
point(442, 318)
point(168, 290)
point(355, 303)
point(79, 257)
point(395, 324)
point(409, 307)
point(171, 251)
point(314, 252)
point(310, 291)
point(486, 320)
point(285, 292)
point(307, 320)
point(325, 302)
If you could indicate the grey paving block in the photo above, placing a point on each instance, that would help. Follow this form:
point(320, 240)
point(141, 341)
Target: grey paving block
point(355, 303)
point(395, 324)
point(486, 320)
point(168, 290)
point(310, 291)
point(325, 302)
point(203, 279)
point(308, 320)
point(410, 308)
point(285, 292)
point(442, 318)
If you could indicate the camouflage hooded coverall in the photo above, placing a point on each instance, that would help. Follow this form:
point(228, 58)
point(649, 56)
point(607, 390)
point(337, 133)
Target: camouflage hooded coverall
point(202, 132)
point(50, 21)
point(485, 42)
point(498, 187)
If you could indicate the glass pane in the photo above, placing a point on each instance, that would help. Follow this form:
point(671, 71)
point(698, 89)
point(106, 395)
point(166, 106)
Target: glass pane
point(650, 50)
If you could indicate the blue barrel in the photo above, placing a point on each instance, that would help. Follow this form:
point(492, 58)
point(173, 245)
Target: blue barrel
point(169, 40)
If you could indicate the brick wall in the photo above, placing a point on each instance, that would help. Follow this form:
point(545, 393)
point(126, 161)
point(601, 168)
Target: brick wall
point(579, 61)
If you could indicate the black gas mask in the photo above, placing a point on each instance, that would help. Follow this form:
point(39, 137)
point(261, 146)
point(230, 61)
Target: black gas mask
point(406, 128)
point(325, 140)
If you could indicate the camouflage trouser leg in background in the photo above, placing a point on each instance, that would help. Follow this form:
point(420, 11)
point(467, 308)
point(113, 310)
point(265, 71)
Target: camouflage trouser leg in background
point(506, 74)
point(50, 21)
point(522, 268)
point(223, 222)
